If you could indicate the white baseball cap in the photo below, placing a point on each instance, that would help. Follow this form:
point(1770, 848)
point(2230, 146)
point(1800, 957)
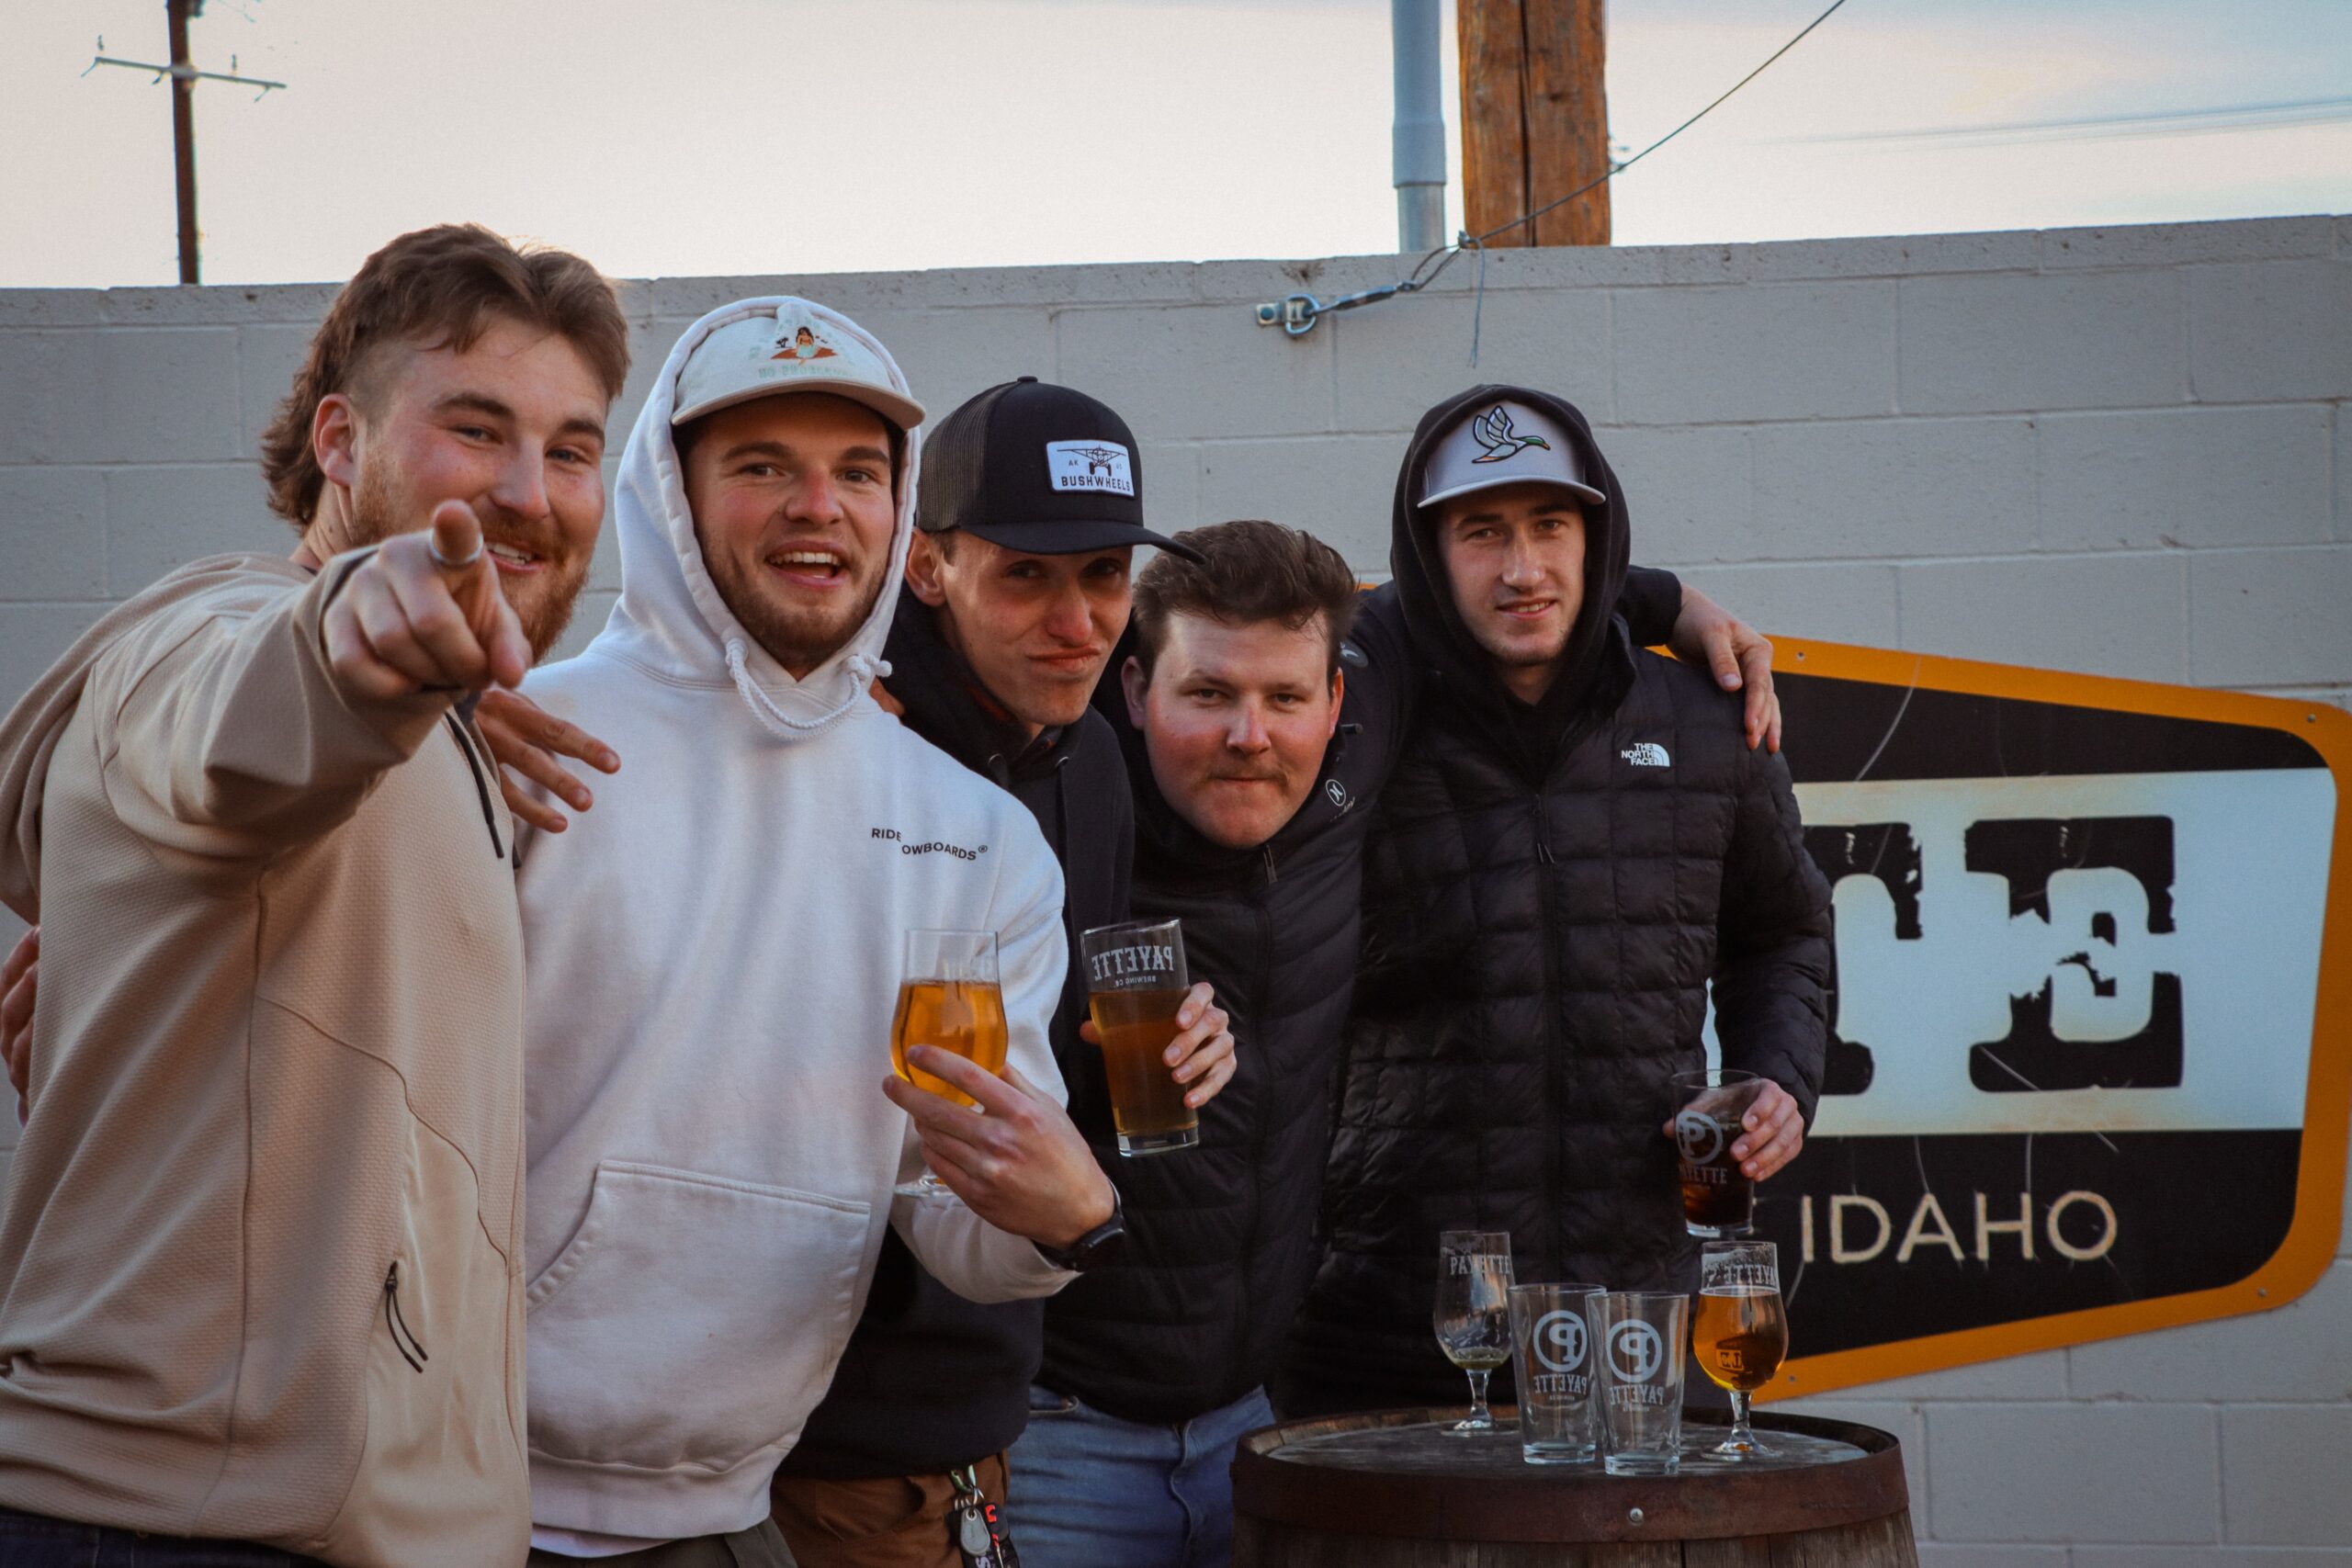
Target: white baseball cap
point(1503, 443)
point(791, 350)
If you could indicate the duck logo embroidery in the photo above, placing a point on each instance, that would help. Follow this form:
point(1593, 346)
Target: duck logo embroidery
point(802, 343)
point(1493, 431)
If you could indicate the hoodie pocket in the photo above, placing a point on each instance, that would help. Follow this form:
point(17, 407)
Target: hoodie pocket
point(692, 1320)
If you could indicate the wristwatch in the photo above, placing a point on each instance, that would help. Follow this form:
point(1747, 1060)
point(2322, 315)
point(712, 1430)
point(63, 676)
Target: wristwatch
point(1096, 1246)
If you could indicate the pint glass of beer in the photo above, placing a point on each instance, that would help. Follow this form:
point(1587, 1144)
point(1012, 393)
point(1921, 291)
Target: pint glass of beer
point(1134, 982)
point(948, 996)
point(1718, 1200)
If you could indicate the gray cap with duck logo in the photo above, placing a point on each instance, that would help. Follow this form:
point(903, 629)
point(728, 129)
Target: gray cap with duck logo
point(1503, 443)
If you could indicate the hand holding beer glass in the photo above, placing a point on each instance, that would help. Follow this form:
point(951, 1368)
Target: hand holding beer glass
point(1472, 1317)
point(1740, 1334)
point(948, 998)
point(1134, 983)
point(1718, 1198)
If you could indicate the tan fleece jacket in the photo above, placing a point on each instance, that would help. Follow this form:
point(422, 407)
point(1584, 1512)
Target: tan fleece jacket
point(258, 1265)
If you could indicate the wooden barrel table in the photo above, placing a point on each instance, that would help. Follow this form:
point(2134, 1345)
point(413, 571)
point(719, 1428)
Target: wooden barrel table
point(1391, 1490)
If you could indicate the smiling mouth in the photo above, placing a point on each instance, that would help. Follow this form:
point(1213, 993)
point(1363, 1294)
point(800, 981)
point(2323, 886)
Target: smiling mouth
point(1528, 609)
point(513, 559)
point(818, 568)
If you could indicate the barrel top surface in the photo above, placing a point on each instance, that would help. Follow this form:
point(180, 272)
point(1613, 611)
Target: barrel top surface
point(1399, 1473)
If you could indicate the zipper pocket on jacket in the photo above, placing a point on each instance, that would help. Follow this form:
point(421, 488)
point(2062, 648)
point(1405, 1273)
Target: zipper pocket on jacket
point(405, 1339)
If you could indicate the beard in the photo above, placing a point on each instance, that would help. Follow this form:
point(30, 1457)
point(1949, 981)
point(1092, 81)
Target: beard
point(542, 601)
point(800, 639)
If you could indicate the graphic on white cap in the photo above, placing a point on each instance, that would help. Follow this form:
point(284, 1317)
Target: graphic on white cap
point(1090, 465)
point(799, 342)
point(1492, 430)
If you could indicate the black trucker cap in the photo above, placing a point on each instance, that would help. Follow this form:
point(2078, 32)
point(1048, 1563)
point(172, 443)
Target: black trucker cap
point(1038, 469)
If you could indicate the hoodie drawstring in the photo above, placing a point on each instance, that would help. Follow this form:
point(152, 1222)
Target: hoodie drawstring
point(862, 673)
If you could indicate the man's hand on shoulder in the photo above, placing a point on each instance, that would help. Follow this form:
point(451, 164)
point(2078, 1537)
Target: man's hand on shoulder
point(424, 613)
point(1201, 1055)
point(527, 739)
point(1708, 637)
point(1017, 1161)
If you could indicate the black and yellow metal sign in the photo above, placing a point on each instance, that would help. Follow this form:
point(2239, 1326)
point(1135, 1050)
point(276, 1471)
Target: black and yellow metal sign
point(2092, 1049)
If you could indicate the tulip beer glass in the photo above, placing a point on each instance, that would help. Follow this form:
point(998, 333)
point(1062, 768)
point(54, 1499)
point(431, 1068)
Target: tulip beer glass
point(1134, 983)
point(1473, 1314)
point(949, 997)
point(1740, 1334)
point(1718, 1198)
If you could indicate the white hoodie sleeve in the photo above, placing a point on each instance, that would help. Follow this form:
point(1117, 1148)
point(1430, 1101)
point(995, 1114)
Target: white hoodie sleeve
point(968, 1254)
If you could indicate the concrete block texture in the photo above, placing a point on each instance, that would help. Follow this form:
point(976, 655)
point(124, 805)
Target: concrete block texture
point(269, 358)
point(2343, 473)
point(1754, 352)
point(2198, 477)
point(1340, 489)
point(2300, 1353)
point(2041, 1376)
point(2270, 330)
point(2269, 617)
point(2118, 615)
point(1956, 1555)
point(1204, 370)
point(163, 517)
point(1688, 490)
point(1839, 602)
point(135, 395)
point(1893, 488)
point(950, 354)
point(2283, 1469)
point(2179, 244)
point(2207, 1557)
point(52, 533)
point(2063, 1472)
point(1393, 363)
point(2025, 342)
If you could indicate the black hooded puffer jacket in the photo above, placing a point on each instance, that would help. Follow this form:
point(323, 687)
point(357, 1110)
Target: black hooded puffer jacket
point(1548, 893)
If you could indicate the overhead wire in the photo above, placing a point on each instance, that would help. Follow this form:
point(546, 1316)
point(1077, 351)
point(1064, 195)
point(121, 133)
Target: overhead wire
point(1297, 322)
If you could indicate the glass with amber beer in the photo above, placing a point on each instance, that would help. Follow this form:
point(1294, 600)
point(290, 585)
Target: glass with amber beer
point(949, 996)
point(1718, 1198)
point(1134, 982)
point(1739, 1336)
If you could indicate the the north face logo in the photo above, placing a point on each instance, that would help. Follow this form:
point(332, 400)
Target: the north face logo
point(1647, 754)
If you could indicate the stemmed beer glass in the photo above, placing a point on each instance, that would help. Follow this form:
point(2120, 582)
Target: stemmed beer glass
point(948, 996)
point(1740, 1333)
point(1473, 1314)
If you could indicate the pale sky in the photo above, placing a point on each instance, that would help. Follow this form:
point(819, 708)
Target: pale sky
point(684, 137)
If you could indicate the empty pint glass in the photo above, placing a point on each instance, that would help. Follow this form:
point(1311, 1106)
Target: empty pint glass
point(1638, 1339)
point(1718, 1198)
point(1134, 982)
point(1551, 1357)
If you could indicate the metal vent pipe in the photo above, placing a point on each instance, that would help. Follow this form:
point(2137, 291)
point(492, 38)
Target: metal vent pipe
point(1418, 138)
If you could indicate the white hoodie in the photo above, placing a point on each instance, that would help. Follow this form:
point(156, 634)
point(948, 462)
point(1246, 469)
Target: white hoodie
point(712, 956)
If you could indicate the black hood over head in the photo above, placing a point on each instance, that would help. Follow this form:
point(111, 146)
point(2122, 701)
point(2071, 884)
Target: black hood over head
point(1596, 647)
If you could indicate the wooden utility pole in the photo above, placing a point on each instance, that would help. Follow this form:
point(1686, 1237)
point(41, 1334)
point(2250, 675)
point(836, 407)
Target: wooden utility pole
point(181, 71)
point(1534, 119)
point(184, 130)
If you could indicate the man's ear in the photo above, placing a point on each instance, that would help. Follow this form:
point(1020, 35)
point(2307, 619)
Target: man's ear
point(923, 570)
point(335, 439)
point(1339, 695)
point(1132, 681)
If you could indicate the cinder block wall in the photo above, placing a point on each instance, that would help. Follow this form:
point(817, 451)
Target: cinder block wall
point(2123, 451)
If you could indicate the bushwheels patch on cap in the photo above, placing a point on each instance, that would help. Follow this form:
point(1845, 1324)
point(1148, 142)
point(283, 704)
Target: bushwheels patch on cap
point(1100, 466)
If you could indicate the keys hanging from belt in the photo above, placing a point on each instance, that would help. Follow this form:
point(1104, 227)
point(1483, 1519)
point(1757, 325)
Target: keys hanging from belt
point(983, 1538)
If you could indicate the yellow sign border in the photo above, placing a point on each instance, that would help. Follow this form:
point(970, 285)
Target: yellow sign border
point(2313, 1234)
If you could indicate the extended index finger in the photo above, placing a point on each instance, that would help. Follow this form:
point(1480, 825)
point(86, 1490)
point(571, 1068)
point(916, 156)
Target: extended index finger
point(996, 1097)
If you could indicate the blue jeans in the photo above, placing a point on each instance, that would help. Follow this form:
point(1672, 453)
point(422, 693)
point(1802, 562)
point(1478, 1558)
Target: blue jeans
point(36, 1541)
point(1090, 1490)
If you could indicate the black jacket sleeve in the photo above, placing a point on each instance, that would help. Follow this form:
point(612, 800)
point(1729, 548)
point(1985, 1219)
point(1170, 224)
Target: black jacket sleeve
point(1774, 949)
point(1651, 601)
